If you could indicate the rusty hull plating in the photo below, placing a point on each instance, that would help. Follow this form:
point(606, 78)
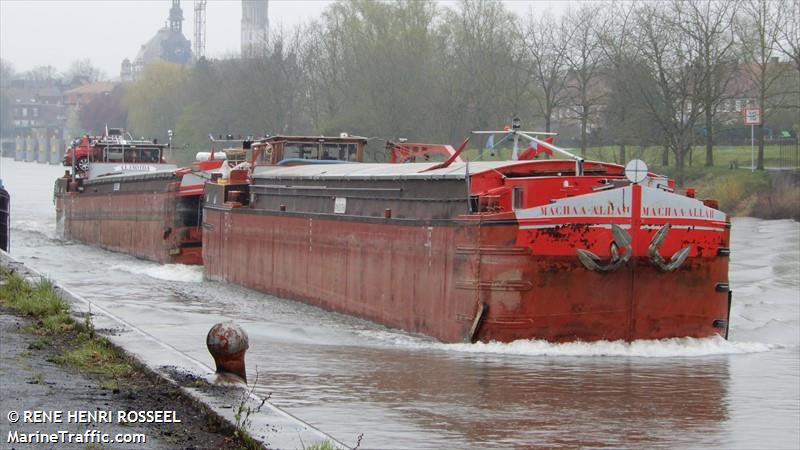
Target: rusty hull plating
point(480, 251)
point(153, 216)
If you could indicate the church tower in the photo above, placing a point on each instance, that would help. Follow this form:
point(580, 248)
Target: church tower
point(255, 27)
point(176, 16)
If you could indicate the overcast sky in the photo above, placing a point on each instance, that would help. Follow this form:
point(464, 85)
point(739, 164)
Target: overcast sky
point(57, 32)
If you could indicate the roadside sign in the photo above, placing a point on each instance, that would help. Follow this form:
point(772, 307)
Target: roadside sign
point(752, 116)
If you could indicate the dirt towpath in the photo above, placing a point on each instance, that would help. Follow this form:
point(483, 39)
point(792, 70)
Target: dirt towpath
point(31, 382)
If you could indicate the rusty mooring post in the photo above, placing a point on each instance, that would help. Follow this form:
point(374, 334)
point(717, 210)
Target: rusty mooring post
point(227, 343)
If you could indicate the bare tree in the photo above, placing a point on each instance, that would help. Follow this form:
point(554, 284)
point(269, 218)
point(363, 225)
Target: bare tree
point(104, 110)
point(789, 31)
point(709, 26)
point(546, 44)
point(42, 73)
point(324, 69)
point(672, 96)
point(486, 57)
point(623, 118)
point(585, 60)
point(82, 71)
point(6, 73)
point(758, 28)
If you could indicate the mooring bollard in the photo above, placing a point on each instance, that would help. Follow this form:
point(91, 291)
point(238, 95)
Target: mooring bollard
point(227, 342)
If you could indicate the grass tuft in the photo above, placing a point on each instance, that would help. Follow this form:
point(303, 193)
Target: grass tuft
point(39, 300)
point(97, 356)
point(88, 352)
point(327, 445)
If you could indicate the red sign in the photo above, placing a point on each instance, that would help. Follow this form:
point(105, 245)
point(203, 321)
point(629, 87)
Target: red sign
point(752, 116)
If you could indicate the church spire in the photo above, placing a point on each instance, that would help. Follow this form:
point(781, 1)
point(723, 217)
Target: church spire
point(175, 16)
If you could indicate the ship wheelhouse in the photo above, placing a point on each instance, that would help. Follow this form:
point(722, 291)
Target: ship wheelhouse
point(292, 150)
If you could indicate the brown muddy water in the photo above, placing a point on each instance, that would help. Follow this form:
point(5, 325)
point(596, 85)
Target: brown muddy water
point(347, 376)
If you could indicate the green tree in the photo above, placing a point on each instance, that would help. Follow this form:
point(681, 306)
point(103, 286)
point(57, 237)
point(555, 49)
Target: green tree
point(6, 75)
point(156, 100)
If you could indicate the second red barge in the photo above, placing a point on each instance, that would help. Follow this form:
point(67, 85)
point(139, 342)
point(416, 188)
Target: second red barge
point(122, 195)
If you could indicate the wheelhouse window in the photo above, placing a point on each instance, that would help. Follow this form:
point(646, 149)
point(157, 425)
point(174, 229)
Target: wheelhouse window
point(300, 150)
point(133, 154)
point(151, 155)
point(341, 152)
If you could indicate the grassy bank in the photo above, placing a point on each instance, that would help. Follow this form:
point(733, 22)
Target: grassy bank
point(87, 352)
point(725, 156)
point(75, 346)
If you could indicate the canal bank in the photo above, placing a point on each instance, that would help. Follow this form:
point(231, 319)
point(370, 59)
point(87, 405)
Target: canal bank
point(62, 385)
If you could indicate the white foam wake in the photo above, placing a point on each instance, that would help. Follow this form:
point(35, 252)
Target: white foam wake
point(662, 348)
point(167, 272)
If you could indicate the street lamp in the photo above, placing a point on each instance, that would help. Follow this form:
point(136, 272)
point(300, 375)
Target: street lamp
point(169, 143)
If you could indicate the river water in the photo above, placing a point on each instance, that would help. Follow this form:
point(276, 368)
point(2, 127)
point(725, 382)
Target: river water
point(347, 376)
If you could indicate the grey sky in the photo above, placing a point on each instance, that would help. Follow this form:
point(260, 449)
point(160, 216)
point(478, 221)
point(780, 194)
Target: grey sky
point(47, 32)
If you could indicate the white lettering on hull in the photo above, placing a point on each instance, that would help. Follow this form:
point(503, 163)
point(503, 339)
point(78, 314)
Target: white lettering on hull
point(617, 203)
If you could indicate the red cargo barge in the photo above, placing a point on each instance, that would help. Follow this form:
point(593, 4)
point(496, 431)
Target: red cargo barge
point(122, 196)
point(541, 249)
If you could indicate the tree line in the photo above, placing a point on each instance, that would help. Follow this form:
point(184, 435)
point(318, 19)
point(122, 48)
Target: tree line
point(629, 74)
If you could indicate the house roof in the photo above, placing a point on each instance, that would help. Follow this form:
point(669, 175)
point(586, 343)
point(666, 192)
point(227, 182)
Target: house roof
point(92, 88)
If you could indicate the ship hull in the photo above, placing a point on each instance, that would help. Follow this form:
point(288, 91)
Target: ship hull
point(465, 280)
point(147, 218)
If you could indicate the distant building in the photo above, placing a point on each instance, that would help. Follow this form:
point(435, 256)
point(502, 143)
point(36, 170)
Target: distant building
point(255, 27)
point(126, 70)
point(36, 108)
point(82, 95)
point(169, 45)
